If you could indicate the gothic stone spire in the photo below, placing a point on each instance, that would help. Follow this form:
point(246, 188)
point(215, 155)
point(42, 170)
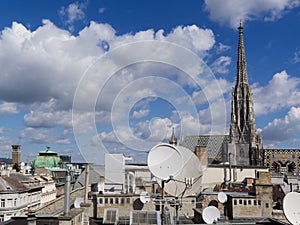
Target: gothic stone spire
point(243, 127)
point(241, 63)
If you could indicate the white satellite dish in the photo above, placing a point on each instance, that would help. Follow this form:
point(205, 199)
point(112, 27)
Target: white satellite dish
point(164, 161)
point(222, 197)
point(167, 161)
point(78, 201)
point(210, 214)
point(145, 197)
point(291, 207)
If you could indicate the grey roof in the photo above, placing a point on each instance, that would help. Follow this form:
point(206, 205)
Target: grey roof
point(213, 144)
point(20, 177)
point(95, 172)
point(7, 184)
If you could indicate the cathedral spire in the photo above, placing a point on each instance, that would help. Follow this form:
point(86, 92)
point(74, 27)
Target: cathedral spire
point(243, 133)
point(242, 76)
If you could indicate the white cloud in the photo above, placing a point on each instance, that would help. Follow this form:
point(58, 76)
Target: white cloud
point(43, 68)
point(220, 65)
point(8, 108)
point(209, 92)
point(230, 12)
point(48, 119)
point(222, 48)
point(281, 129)
point(63, 141)
point(74, 12)
point(38, 136)
point(141, 113)
point(296, 58)
point(191, 37)
point(101, 10)
point(281, 92)
point(215, 118)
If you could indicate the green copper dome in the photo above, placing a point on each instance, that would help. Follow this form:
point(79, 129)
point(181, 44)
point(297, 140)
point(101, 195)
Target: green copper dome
point(47, 159)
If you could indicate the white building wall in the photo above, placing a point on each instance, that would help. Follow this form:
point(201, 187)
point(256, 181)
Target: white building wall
point(48, 192)
point(114, 171)
point(12, 204)
point(215, 175)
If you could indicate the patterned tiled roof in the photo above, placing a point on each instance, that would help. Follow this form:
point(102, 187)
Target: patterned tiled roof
point(213, 144)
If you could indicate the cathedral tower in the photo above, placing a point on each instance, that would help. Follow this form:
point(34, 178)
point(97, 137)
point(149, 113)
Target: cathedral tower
point(245, 144)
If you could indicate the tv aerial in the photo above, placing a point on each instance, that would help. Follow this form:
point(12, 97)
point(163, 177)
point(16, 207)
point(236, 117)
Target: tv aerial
point(291, 208)
point(177, 169)
point(210, 214)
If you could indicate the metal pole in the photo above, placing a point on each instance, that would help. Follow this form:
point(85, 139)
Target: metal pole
point(163, 202)
point(67, 194)
point(86, 191)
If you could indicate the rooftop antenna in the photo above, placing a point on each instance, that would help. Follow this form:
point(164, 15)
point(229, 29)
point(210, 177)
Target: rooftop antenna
point(177, 168)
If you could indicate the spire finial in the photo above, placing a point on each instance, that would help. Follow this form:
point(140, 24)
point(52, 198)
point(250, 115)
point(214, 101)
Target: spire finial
point(241, 25)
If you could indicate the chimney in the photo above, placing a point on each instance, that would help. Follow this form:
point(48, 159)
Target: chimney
point(31, 219)
point(67, 194)
point(201, 153)
point(16, 154)
point(86, 189)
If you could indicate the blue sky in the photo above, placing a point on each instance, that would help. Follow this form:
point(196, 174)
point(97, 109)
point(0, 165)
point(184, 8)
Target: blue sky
point(88, 77)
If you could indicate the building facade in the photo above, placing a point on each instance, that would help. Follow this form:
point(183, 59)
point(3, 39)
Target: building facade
point(18, 194)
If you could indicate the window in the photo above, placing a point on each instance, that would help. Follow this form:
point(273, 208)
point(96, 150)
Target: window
point(101, 201)
point(128, 200)
point(235, 202)
point(122, 201)
point(111, 216)
point(15, 202)
point(117, 200)
point(106, 200)
point(259, 202)
point(240, 201)
point(111, 201)
point(245, 202)
point(9, 202)
point(2, 204)
point(249, 202)
point(254, 202)
point(267, 205)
